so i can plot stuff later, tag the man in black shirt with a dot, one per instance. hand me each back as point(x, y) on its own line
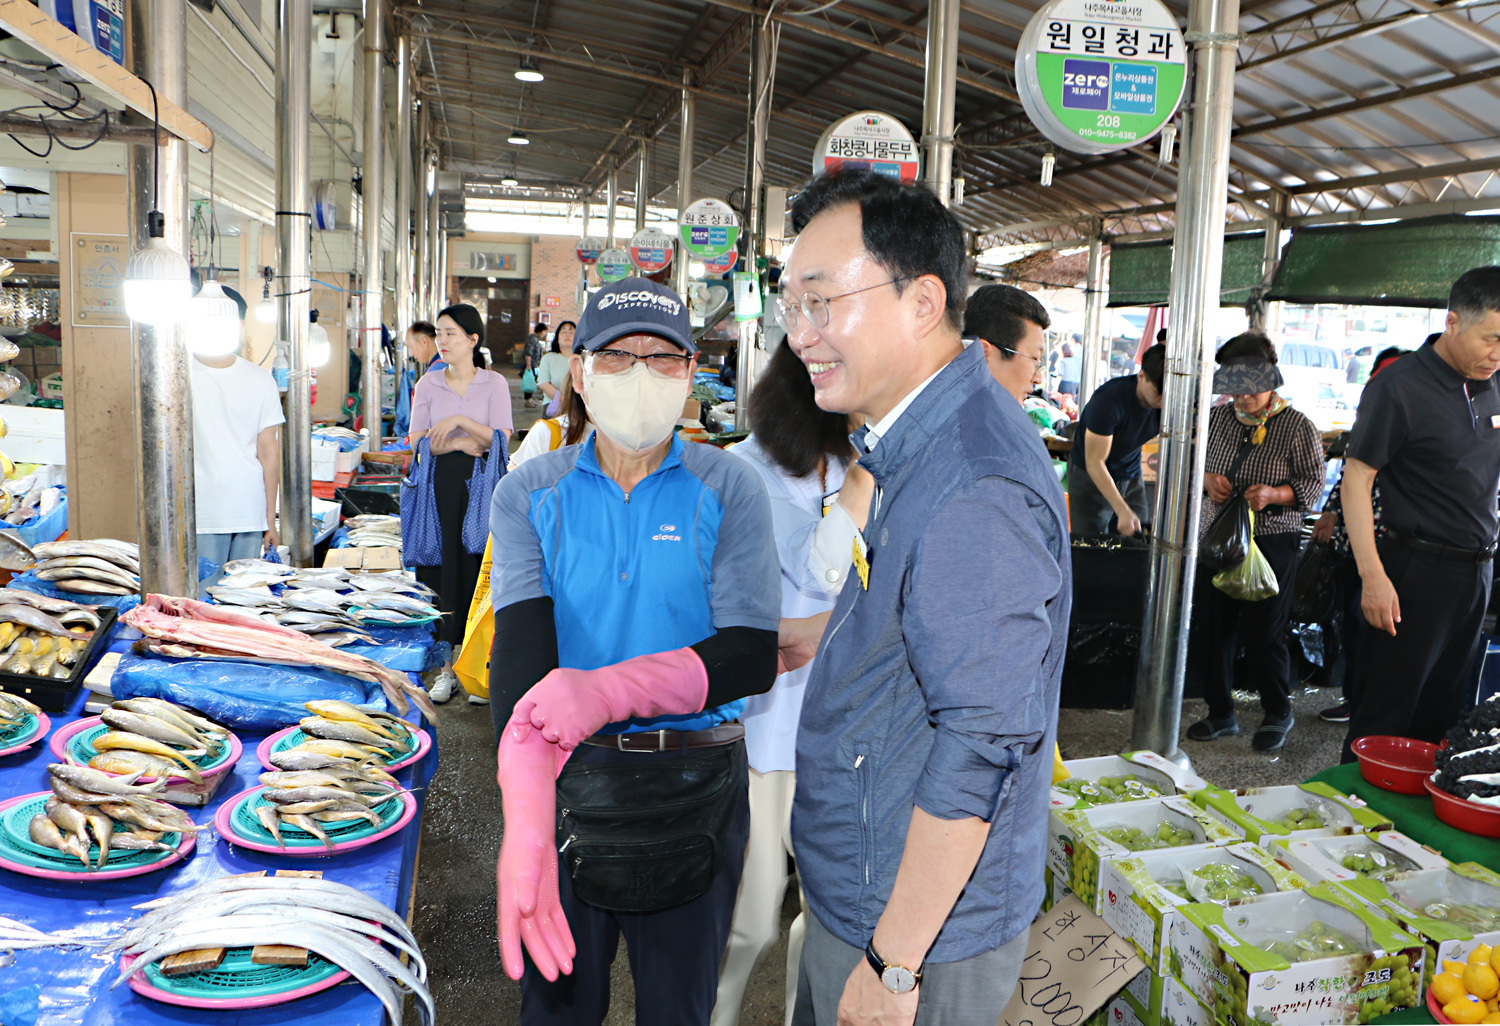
point(1430, 427)
point(1104, 467)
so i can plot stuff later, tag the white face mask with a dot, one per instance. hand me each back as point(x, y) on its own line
point(636, 409)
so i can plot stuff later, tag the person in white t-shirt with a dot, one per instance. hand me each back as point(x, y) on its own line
point(236, 458)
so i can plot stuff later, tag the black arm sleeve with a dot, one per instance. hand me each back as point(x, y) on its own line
point(741, 662)
point(525, 651)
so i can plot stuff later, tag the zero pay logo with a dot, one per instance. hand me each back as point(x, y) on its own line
point(667, 532)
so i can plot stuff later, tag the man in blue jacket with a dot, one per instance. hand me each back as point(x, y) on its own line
point(925, 751)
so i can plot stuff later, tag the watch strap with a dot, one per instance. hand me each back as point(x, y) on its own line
point(880, 965)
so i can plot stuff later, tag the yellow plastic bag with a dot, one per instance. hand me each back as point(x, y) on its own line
point(472, 667)
point(1251, 581)
point(1059, 771)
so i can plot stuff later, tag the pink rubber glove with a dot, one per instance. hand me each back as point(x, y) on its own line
point(528, 909)
point(569, 705)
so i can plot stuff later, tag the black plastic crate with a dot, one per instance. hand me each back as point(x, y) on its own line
point(356, 501)
point(57, 695)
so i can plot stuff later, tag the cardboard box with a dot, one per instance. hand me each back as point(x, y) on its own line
point(1053, 889)
point(384, 558)
point(1256, 813)
point(1235, 954)
point(50, 387)
point(1077, 842)
point(1149, 769)
point(1423, 903)
point(1155, 1000)
point(1321, 859)
point(1138, 906)
point(349, 559)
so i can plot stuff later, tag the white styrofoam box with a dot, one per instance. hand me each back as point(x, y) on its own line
point(34, 435)
point(324, 462)
point(348, 462)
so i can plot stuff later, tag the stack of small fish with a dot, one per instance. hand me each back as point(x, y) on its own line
point(120, 815)
point(41, 636)
point(333, 920)
point(332, 783)
point(26, 498)
point(329, 601)
point(373, 531)
point(100, 567)
point(156, 738)
point(17, 936)
point(13, 711)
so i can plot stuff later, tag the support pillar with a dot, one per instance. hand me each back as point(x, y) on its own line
point(403, 199)
point(685, 129)
point(1093, 319)
point(436, 286)
point(163, 409)
point(374, 207)
point(293, 261)
point(418, 160)
point(937, 104)
point(1197, 263)
point(642, 182)
point(758, 117)
point(612, 197)
point(1264, 316)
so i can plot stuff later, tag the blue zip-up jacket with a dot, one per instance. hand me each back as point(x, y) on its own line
point(938, 686)
point(688, 553)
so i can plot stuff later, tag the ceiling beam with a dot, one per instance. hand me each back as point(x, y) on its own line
point(1406, 174)
point(1365, 103)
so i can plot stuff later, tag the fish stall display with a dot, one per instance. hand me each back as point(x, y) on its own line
point(329, 601)
point(156, 738)
point(91, 814)
point(103, 566)
point(24, 499)
point(182, 628)
point(374, 530)
point(334, 922)
point(43, 637)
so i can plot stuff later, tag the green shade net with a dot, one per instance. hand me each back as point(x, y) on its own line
point(1405, 263)
point(1140, 274)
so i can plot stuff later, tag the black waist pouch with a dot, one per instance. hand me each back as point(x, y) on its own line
point(648, 832)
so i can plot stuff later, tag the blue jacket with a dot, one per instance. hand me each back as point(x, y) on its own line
point(937, 686)
point(687, 553)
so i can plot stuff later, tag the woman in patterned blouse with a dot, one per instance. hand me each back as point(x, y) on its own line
point(1261, 448)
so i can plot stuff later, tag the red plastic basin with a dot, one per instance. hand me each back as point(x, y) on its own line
point(1472, 817)
point(1398, 764)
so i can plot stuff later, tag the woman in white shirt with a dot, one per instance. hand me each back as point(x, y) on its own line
point(569, 427)
point(819, 501)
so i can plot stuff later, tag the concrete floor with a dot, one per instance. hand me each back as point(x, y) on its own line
point(454, 915)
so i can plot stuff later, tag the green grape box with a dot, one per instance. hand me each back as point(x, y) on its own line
point(1296, 958)
point(1267, 814)
point(1110, 779)
point(1453, 910)
point(1080, 840)
point(1142, 895)
point(1054, 889)
point(1379, 856)
point(1155, 1000)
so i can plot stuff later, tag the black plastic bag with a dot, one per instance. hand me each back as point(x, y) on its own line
point(1226, 544)
point(1315, 595)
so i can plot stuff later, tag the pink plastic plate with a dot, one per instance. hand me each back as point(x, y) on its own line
point(60, 741)
point(224, 823)
point(184, 848)
point(143, 987)
point(43, 724)
point(424, 745)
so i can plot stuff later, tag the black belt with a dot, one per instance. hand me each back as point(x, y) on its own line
point(669, 740)
point(1441, 551)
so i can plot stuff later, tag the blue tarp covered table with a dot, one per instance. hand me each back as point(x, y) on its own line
point(75, 983)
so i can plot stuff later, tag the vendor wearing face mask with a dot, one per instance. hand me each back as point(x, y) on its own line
point(637, 598)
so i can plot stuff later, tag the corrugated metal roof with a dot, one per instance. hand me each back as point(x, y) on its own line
point(1344, 108)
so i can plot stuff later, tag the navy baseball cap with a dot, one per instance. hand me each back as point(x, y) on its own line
point(633, 306)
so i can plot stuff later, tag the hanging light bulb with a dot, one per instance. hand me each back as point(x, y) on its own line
point(529, 72)
point(509, 182)
point(213, 321)
point(265, 310)
point(158, 281)
point(518, 138)
point(1049, 161)
point(318, 347)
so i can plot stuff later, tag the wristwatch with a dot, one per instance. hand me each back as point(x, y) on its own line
point(897, 978)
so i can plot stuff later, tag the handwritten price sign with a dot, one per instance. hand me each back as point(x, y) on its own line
point(1074, 963)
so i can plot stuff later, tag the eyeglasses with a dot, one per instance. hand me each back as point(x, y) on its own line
point(618, 361)
point(1036, 361)
point(815, 307)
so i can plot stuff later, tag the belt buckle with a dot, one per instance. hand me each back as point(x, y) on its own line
point(661, 740)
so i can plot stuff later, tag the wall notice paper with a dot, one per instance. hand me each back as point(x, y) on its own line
point(99, 281)
point(1074, 964)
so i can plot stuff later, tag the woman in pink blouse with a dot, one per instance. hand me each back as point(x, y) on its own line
point(458, 411)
